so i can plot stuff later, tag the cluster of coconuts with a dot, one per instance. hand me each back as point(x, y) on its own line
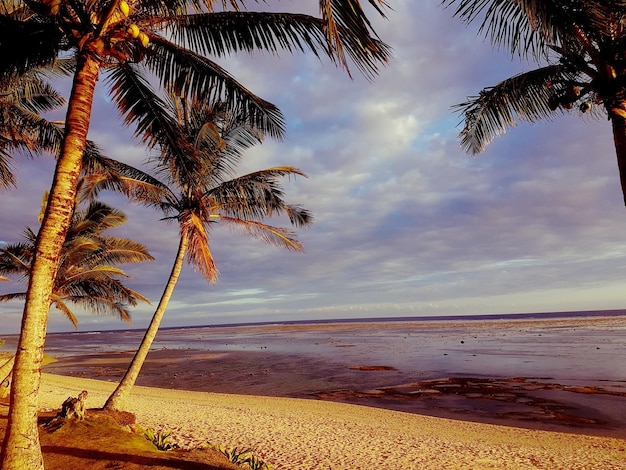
point(124, 9)
point(568, 99)
point(133, 30)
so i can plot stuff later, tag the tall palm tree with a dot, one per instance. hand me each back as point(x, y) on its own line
point(580, 48)
point(198, 165)
point(170, 39)
point(88, 275)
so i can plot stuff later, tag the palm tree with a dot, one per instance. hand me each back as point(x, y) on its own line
point(88, 275)
point(580, 48)
point(124, 41)
point(198, 163)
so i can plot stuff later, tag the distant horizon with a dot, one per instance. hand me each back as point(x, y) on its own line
point(431, 318)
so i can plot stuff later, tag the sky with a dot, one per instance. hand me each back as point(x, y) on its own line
point(406, 223)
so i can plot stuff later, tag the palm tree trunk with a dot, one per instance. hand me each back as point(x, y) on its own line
point(21, 448)
point(119, 398)
point(619, 137)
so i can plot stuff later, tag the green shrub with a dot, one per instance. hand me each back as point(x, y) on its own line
point(242, 457)
point(160, 439)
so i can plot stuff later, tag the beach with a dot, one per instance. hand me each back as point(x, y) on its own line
point(558, 375)
point(523, 394)
point(298, 434)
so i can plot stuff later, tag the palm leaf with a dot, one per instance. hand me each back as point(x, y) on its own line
point(221, 34)
point(103, 173)
point(64, 308)
point(345, 24)
point(13, 296)
point(528, 97)
point(16, 258)
point(277, 236)
point(198, 76)
point(27, 43)
point(255, 195)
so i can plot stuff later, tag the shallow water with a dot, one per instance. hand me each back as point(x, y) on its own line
point(565, 350)
point(566, 375)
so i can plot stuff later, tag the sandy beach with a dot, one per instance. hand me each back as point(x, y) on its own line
point(300, 434)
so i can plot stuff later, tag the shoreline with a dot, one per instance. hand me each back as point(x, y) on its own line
point(558, 375)
point(300, 434)
point(592, 408)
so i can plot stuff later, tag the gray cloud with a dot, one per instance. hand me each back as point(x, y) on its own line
point(406, 223)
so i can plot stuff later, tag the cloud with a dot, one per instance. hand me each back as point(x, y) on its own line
point(405, 222)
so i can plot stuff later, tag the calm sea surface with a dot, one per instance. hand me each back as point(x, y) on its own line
point(563, 373)
point(568, 349)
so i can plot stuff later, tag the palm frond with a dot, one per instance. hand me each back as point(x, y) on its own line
point(64, 309)
point(102, 306)
point(347, 27)
point(97, 272)
point(7, 177)
point(13, 296)
point(27, 43)
point(103, 173)
point(298, 216)
point(527, 97)
point(220, 34)
point(253, 196)
point(122, 250)
point(16, 258)
point(196, 75)
point(277, 236)
point(522, 26)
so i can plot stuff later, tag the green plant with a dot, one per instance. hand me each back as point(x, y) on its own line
point(242, 457)
point(256, 463)
point(160, 439)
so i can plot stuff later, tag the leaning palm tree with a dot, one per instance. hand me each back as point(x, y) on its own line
point(580, 47)
point(198, 165)
point(126, 41)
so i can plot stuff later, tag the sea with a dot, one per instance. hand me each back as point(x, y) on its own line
point(556, 371)
point(532, 344)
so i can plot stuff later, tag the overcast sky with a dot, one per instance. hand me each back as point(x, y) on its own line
point(406, 224)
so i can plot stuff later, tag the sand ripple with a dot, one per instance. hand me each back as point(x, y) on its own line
point(296, 434)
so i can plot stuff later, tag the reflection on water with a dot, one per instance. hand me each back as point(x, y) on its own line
point(562, 349)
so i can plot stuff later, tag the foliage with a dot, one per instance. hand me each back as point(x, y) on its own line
point(242, 457)
point(88, 274)
point(160, 439)
point(580, 48)
point(199, 153)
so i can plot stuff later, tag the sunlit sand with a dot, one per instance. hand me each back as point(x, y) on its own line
point(297, 434)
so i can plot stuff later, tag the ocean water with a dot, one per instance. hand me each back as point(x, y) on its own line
point(564, 373)
point(568, 349)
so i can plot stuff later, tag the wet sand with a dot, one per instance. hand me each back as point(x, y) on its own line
point(336, 365)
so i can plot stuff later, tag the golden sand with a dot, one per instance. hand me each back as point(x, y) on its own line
point(298, 434)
